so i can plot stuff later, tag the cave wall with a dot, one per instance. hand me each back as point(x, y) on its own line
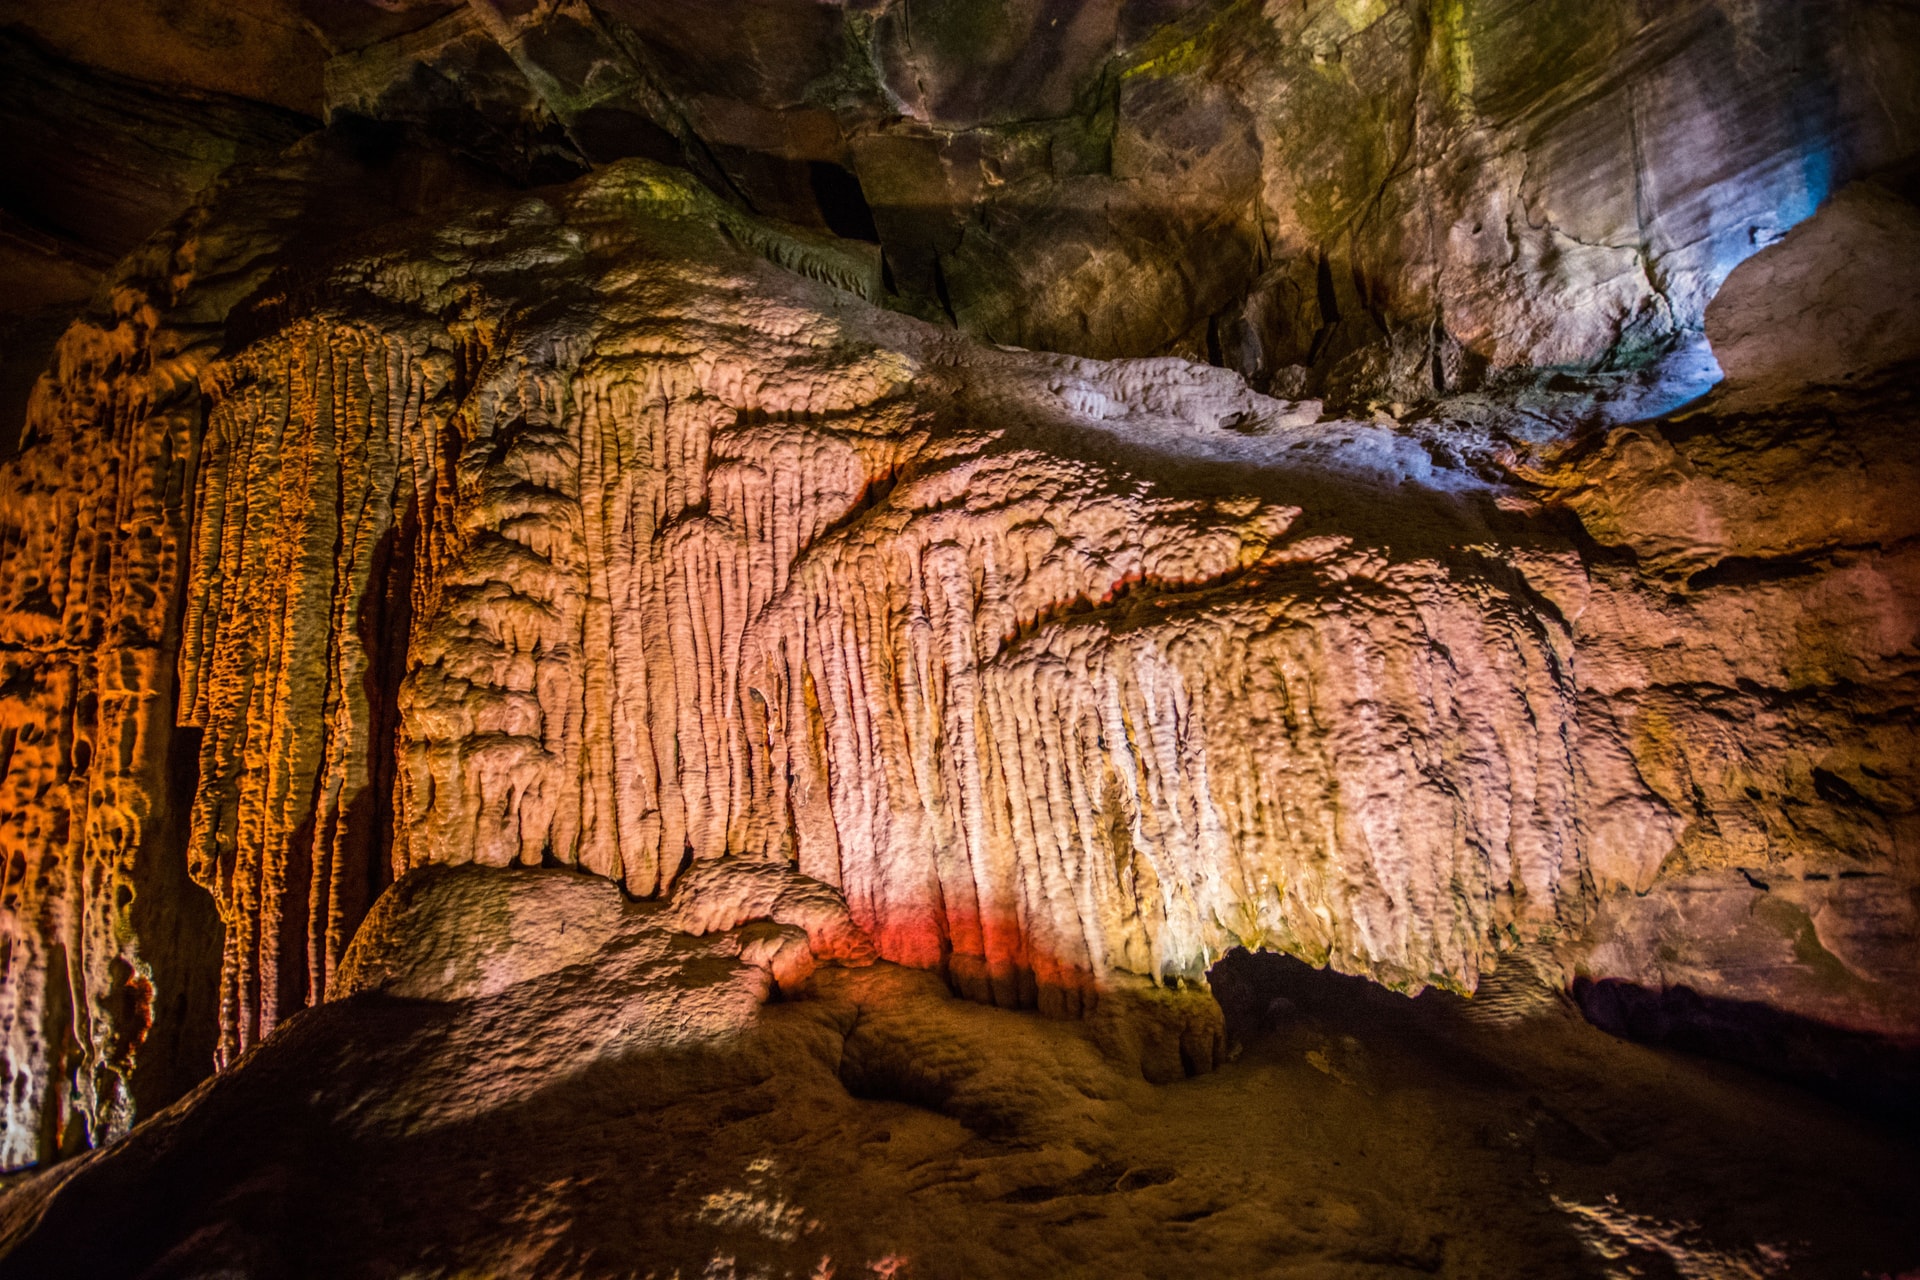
point(97, 510)
point(1380, 200)
point(107, 938)
point(1373, 200)
point(378, 513)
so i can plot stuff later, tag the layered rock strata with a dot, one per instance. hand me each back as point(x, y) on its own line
point(1392, 199)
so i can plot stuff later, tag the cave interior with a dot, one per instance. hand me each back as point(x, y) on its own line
point(763, 639)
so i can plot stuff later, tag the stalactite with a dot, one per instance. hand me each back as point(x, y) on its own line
point(309, 476)
point(90, 550)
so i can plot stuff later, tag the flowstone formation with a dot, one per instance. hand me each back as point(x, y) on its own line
point(1053, 669)
point(506, 594)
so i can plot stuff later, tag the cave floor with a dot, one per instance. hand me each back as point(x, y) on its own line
point(1355, 1133)
point(1365, 1134)
point(1358, 1133)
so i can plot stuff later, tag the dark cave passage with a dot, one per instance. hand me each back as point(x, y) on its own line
point(1874, 1077)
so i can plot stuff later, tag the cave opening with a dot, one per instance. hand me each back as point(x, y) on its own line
point(842, 202)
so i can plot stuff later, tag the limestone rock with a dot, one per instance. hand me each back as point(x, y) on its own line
point(721, 894)
point(114, 159)
point(96, 514)
point(440, 934)
point(989, 642)
point(1833, 300)
point(1389, 201)
point(1748, 665)
point(98, 163)
point(263, 50)
point(467, 933)
point(1835, 951)
point(112, 951)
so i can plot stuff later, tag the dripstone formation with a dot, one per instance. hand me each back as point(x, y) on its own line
point(791, 521)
